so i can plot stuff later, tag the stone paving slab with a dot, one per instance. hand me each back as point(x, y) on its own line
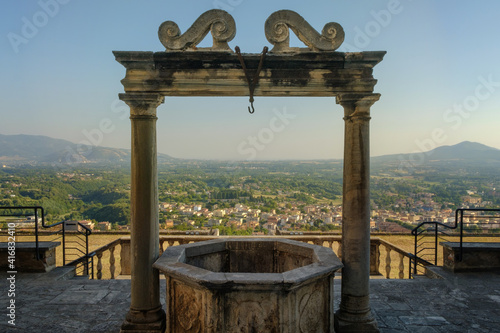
point(465, 302)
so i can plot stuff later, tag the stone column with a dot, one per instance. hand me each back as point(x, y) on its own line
point(146, 313)
point(354, 314)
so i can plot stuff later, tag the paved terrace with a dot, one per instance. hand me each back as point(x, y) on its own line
point(465, 302)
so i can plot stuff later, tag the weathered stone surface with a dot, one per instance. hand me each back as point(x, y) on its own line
point(218, 22)
point(279, 294)
point(277, 33)
point(125, 258)
point(355, 314)
point(145, 312)
point(475, 257)
point(311, 74)
point(466, 301)
point(26, 257)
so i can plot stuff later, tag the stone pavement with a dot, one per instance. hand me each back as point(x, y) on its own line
point(466, 302)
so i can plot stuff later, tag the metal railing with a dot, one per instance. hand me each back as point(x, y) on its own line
point(75, 243)
point(428, 236)
point(474, 227)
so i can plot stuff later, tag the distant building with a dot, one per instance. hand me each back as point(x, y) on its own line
point(220, 213)
point(214, 222)
point(76, 225)
point(104, 226)
point(472, 199)
point(169, 224)
point(252, 223)
point(87, 223)
point(71, 225)
point(236, 222)
point(272, 219)
point(271, 228)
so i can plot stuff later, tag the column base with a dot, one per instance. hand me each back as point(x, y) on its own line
point(355, 323)
point(152, 321)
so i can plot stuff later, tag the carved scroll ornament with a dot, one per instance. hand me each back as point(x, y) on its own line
point(277, 33)
point(218, 22)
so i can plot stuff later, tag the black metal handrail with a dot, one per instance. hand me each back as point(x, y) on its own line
point(35, 211)
point(459, 216)
point(460, 212)
point(86, 232)
point(419, 230)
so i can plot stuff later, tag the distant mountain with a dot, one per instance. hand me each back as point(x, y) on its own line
point(464, 151)
point(21, 149)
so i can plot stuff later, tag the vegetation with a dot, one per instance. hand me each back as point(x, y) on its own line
point(103, 193)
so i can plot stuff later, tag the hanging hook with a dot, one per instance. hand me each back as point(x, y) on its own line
point(251, 82)
point(251, 110)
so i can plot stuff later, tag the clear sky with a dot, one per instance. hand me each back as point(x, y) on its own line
point(440, 79)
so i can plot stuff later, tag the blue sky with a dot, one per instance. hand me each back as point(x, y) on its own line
point(440, 80)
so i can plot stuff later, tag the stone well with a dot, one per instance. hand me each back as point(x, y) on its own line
point(249, 285)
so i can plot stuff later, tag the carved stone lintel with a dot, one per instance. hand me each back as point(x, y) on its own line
point(219, 22)
point(277, 33)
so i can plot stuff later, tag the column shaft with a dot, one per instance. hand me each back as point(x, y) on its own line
point(354, 314)
point(145, 312)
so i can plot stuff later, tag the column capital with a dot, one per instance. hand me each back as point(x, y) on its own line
point(357, 105)
point(142, 105)
point(366, 100)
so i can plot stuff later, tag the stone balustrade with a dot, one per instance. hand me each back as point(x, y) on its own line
point(108, 251)
point(386, 259)
point(394, 259)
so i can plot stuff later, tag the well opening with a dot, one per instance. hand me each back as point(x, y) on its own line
point(250, 257)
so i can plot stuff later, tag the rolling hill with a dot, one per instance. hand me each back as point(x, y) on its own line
point(36, 149)
point(464, 151)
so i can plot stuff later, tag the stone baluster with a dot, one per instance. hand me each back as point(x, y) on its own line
point(388, 263)
point(99, 266)
point(171, 243)
point(339, 251)
point(401, 266)
point(374, 258)
point(161, 246)
point(330, 244)
point(125, 258)
point(112, 262)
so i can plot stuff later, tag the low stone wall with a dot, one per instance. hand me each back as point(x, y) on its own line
point(474, 257)
point(26, 258)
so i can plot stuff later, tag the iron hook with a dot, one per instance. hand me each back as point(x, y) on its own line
point(251, 82)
